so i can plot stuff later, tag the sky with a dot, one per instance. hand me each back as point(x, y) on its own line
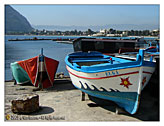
point(85, 15)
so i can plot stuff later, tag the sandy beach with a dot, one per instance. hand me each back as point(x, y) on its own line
point(63, 102)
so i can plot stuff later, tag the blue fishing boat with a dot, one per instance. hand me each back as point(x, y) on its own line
point(112, 78)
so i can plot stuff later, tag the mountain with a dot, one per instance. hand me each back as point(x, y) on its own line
point(15, 22)
point(98, 27)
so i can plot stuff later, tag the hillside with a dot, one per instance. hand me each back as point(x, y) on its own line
point(15, 22)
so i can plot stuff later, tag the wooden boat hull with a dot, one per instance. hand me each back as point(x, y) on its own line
point(19, 74)
point(122, 85)
point(39, 69)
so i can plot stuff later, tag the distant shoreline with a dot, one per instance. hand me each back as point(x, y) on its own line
point(50, 35)
point(144, 36)
point(79, 36)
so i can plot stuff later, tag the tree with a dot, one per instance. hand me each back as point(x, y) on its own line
point(111, 30)
point(146, 32)
point(119, 32)
point(75, 32)
point(90, 32)
point(132, 32)
point(136, 33)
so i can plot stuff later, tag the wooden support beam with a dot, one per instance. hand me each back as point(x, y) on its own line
point(83, 96)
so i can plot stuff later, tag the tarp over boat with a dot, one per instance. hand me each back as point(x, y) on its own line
point(38, 71)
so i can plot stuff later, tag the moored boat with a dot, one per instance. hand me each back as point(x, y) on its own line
point(105, 45)
point(39, 70)
point(111, 78)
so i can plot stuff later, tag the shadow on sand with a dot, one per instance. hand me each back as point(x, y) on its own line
point(61, 85)
point(148, 108)
point(58, 85)
point(42, 111)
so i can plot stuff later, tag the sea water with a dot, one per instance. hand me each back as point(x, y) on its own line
point(21, 50)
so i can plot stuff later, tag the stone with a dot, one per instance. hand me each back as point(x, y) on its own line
point(120, 111)
point(26, 103)
point(60, 75)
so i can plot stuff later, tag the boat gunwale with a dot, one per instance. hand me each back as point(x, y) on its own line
point(107, 66)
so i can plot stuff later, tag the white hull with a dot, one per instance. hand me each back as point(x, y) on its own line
point(113, 79)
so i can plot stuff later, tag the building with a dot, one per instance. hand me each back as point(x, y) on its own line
point(155, 32)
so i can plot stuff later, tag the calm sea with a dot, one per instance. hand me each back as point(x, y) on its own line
point(20, 50)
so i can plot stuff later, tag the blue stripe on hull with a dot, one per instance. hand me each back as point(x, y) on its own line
point(126, 100)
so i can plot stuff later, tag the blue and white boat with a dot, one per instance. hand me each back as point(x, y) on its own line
point(106, 77)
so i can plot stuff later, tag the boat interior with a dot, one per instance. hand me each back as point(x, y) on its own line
point(94, 61)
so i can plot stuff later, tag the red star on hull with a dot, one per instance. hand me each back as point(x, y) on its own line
point(143, 81)
point(125, 82)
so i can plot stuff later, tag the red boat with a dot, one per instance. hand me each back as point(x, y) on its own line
point(39, 70)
